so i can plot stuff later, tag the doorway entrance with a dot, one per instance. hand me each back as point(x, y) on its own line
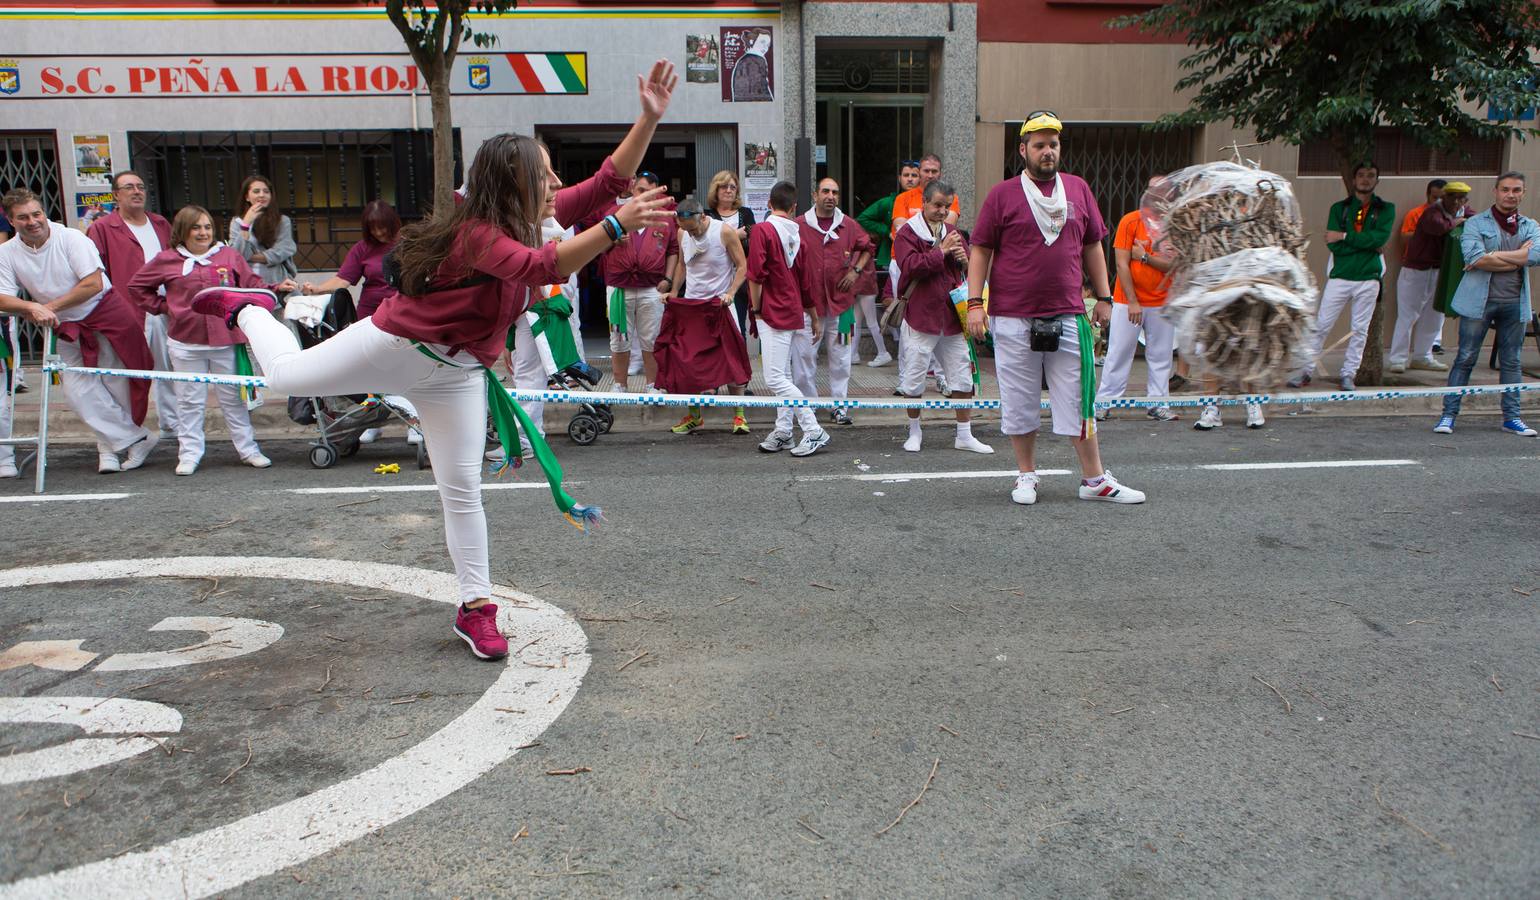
point(870, 114)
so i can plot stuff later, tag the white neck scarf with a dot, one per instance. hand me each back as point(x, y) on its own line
point(811, 218)
point(790, 235)
point(919, 226)
point(189, 260)
point(1052, 212)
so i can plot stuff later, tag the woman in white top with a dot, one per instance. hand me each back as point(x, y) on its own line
point(263, 234)
point(724, 202)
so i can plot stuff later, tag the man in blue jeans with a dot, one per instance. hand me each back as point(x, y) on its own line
point(1499, 246)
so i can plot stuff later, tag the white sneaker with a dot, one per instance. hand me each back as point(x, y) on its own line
point(1396, 368)
point(1102, 414)
point(941, 385)
point(413, 436)
point(1209, 420)
point(186, 466)
point(651, 389)
point(636, 367)
point(1110, 490)
point(369, 436)
point(107, 463)
point(880, 360)
point(140, 452)
point(1025, 491)
point(1254, 417)
point(8, 470)
point(912, 442)
point(971, 444)
point(811, 443)
point(776, 442)
point(1431, 364)
point(257, 461)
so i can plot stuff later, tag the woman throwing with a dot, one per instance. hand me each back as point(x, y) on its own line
point(465, 274)
point(197, 342)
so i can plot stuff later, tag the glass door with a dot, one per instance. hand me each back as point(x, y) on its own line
point(864, 141)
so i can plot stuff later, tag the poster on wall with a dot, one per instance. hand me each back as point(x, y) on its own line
point(93, 160)
point(759, 176)
point(92, 205)
point(748, 65)
point(701, 57)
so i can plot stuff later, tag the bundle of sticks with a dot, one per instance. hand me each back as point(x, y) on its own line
point(1241, 299)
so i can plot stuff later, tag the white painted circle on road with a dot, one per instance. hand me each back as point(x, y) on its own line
point(466, 748)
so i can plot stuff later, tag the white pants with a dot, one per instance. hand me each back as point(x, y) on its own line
point(644, 318)
point(803, 361)
point(451, 403)
point(1023, 372)
point(193, 400)
point(102, 403)
point(1418, 324)
point(531, 369)
point(7, 453)
point(168, 407)
point(1358, 298)
point(919, 351)
point(840, 354)
point(869, 318)
point(776, 349)
point(1159, 338)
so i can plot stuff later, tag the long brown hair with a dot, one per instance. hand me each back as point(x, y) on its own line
point(505, 188)
point(721, 178)
point(265, 229)
point(379, 214)
point(182, 224)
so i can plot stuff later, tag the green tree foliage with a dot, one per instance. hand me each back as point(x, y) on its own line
point(434, 33)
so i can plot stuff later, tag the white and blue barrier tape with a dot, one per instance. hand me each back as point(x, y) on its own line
point(617, 398)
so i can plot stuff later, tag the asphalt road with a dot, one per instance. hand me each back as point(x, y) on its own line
point(1283, 682)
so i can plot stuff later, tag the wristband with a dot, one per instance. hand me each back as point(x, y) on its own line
point(244, 226)
point(669, 280)
point(1103, 299)
point(612, 228)
point(975, 303)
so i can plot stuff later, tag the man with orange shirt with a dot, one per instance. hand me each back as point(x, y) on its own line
point(1137, 301)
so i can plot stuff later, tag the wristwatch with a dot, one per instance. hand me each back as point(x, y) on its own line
point(1103, 299)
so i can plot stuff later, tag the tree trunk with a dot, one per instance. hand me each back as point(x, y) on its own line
point(1372, 369)
point(443, 140)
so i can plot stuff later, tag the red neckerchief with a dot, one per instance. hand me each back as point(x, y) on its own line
point(1507, 223)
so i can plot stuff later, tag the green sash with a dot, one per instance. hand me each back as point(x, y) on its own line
point(618, 310)
point(553, 316)
point(846, 328)
point(1087, 376)
point(1451, 270)
point(249, 394)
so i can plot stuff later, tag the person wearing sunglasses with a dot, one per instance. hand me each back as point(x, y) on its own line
point(1037, 237)
point(877, 219)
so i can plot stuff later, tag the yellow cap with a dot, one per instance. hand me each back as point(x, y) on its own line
point(1457, 187)
point(1043, 121)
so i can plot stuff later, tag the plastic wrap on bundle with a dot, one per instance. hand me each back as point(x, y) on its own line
point(1211, 210)
point(1245, 318)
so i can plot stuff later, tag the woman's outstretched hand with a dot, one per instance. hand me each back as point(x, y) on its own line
point(658, 89)
point(644, 210)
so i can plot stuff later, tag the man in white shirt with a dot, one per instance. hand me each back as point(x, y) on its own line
point(62, 272)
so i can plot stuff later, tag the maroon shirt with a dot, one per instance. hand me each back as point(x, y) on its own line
point(933, 275)
point(226, 267)
point(1425, 248)
point(786, 292)
point(476, 318)
point(640, 259)
point(1028, 278)
point(122, 254)
point(835, 257)
point(364, 261)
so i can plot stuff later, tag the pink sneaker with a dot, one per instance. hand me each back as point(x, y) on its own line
point(227, 302)
point(478, 627)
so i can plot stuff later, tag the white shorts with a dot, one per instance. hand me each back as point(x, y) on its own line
point(1022, 372)
point(914, 353)
point(644, 318)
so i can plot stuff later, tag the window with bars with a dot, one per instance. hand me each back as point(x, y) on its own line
point(30, 159)
point(1398, 153)
point(1115, 160)
point(322, 179)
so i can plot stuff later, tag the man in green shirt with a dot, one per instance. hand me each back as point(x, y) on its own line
point(877, 219)
point(1357, 229)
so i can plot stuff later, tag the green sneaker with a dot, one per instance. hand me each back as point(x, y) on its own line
point(688, 424)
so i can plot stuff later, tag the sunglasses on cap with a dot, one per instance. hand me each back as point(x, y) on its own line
point(1042, 118)
point(909, 164)
point(650, 176)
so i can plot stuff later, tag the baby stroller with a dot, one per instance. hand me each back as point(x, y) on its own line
point(591, 419)
point(340, 420)
point(564, 368)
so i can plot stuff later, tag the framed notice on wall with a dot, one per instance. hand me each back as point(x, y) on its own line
point(748, 64)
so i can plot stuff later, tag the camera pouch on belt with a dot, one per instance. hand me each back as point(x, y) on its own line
point(1045, 334)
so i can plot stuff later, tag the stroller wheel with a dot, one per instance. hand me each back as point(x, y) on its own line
point(606, 418)
point(583, 429)
point(422, 455)
point(323, 456)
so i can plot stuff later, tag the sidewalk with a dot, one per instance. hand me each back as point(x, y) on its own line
point(272, 422)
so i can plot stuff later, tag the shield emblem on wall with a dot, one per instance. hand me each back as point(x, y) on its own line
point(10, 80)
point(480, 76)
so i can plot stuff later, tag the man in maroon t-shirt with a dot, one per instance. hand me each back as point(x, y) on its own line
point(640, 266)
point(1418, 323)
point(1036, 238)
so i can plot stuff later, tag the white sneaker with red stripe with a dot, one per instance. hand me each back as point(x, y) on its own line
point(1109, 489)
